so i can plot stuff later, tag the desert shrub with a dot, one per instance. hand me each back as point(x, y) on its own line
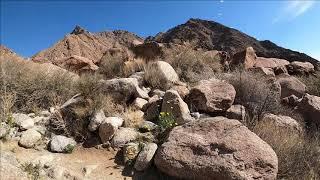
point(192, 65)
point(132, 118)
point(255, 92)
point(312, 83)
point(69, 148)
point(155, 78)
point(133, 66)
point(298, 155)
point(116, 66)
point(166, 121)
point(33, 88)
point(32, 170)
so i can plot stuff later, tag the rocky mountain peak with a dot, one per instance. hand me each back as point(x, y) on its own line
point(78, 30)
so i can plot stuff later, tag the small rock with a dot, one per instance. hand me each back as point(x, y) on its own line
point(4, 130)
point(145, 157)
point(29, 138)
point(95, 121)
point(124, 136)
point(23, 121)
point(107, 131)
point(147, 126)
point(195, 115)
point(44, 160)
point(157, 92)
point(310, 107)
point(130, 152)
point(138, 103)
point(32, 115)
point(45, 113)
point(236, 112)
point(62, 144)
point(152, 108)
point(88, 169)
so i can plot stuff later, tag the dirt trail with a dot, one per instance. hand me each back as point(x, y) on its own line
point(106, 165)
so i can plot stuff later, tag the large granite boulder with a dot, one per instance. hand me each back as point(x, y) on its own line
point(216, 148)
point(310, 107)
point(291, 86)
point(211, 96)
point(161, 74)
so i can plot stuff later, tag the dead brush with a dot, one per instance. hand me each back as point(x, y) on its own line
point(255, 92)
point(298, 154)
point(192, 65)
point(33, 87)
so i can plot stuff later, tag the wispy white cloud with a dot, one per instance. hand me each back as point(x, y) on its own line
point(293, 9)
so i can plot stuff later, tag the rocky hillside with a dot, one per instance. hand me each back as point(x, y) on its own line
point(6, 53)
point(83, 43)
point(211, 35)
point(166, 111)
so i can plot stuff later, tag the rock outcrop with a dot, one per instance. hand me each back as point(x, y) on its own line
point(210, 35)
point(88, 45)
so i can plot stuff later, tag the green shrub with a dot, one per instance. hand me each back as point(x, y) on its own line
point(166, 121)
point(69, 148)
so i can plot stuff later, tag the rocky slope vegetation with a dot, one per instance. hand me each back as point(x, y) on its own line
point(86, 47)
point(211, 35)
point(170, 112)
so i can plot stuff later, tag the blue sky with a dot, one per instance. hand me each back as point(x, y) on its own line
point(30, 26)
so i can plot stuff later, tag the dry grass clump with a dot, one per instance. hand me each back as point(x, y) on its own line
point(312, 83)
point(116, 66)
point(132, 118)
point(33, 88)
point(255, 92)
point(192, 65)
point(298, 155)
